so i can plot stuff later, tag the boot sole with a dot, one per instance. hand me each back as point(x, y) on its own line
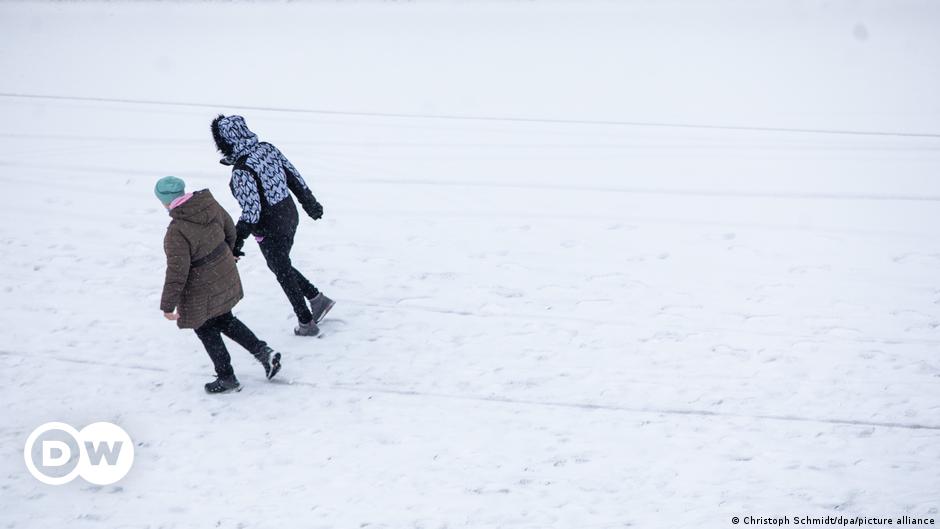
point(275, 365)
point(236, 389)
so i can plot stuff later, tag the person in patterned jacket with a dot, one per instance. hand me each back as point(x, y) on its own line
point(262, 182)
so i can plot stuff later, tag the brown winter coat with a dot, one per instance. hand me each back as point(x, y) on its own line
point(199, 227)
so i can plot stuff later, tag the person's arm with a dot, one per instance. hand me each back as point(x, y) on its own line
point(178, 259)
point(246, 193)
point(297, 186)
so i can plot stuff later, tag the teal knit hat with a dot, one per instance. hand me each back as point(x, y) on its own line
point(169, 188)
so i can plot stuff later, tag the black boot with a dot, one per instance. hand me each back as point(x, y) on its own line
point(223, 385)
point(271, 361)
point(319, 306)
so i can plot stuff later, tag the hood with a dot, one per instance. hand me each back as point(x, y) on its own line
point(198, 209)
point(232, 137)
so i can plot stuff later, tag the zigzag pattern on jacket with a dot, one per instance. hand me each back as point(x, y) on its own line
point(235, 140)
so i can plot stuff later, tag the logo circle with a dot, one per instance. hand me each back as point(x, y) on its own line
point(28, 453)
point(112, 456)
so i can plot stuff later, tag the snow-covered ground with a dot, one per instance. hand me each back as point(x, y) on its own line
point(539, 324)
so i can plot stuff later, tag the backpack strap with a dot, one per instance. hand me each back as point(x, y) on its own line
point(242, 163)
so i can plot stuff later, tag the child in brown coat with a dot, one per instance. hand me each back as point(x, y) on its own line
point(202, 283)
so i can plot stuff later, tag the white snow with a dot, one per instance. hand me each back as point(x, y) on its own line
point(537, 324)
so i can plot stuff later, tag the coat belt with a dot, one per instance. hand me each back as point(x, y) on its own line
point(219, 250)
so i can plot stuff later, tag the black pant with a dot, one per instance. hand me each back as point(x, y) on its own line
point(276, 251)
point(210, 333)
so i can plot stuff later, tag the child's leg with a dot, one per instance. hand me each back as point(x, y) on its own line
point(276, 252)
point(232, 327)
point(305, 285)
point(308, 289)
point(211, 338)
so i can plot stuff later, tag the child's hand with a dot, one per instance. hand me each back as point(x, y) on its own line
point(172, 316)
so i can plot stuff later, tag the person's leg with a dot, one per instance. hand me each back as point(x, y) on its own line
point(276, 251)
point(319, 303)
point(233, 328)
point(211, 337)
point(238, 332)
point(309, 290)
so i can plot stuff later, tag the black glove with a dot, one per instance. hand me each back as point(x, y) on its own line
point(237, 250)
point(314, 209)
point(242, 231)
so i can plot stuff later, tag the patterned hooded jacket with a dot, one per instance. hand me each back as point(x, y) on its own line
point(262, 180)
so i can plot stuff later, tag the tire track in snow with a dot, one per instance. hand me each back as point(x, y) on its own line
point(701, 193)
point(434, 145)
point(496, 399)
point(472, 215)
point(784, 195)
point(619, 323)
point(468, 117)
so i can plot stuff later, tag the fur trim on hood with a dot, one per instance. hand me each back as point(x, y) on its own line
point(232, 137)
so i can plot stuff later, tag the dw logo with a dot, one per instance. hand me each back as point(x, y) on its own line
point(101, 453)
